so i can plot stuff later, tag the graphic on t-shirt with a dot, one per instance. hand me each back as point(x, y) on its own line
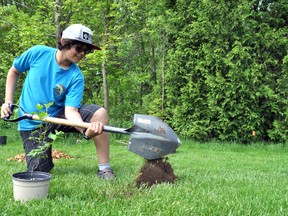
point(59, 89)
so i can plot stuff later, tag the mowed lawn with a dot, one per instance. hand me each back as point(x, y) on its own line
point(213, 179)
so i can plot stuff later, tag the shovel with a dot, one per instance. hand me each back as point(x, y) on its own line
point(151, 138)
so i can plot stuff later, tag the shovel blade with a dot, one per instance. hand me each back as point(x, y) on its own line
point(152, 138)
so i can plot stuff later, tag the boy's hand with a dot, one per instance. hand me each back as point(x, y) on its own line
point(5, 110)
point(95, 129)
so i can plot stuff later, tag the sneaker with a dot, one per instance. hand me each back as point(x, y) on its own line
point(106, 174)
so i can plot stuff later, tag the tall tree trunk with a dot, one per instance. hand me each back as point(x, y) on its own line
point(153, 65)
point(105, 85)
point(104, 72)
point(57, 20)
point(163, 72)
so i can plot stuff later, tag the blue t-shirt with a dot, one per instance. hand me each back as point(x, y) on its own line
point(47, 82)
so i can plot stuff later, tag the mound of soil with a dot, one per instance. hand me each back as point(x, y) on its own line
point(56, 155)
point(155, 172)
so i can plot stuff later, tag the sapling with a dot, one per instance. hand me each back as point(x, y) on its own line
point(37, 153)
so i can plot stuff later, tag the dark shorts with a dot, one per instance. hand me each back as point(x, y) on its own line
point(35, 138)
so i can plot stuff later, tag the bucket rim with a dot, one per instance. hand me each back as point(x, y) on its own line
point(36, 176)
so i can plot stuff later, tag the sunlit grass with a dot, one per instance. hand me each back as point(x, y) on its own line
point(213, 179)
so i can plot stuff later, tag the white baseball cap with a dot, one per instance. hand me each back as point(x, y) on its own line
point(80, 33)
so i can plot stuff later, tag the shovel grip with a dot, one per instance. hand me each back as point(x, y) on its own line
point(107, 128)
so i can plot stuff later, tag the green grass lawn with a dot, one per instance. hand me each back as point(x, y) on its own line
point(213, 179)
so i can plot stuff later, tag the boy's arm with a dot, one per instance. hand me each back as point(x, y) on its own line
point(11, 82)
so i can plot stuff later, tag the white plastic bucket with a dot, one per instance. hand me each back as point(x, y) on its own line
point(30, 185)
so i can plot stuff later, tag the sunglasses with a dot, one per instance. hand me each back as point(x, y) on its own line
point(80, 48)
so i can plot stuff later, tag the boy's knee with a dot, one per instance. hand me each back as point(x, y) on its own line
point(100, 115)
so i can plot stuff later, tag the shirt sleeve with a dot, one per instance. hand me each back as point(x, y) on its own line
point(23, 62)
point(75, 93)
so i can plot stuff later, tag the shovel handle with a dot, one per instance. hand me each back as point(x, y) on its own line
point(66, 122)
point(61, 121)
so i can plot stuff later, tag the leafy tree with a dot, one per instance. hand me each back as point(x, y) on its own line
point(225, 70)
point(211, 69)
point(17, 36)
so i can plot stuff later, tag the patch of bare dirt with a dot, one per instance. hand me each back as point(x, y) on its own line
point(155, 172)
point(56, 155)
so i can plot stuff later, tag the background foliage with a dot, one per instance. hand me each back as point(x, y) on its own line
point(211, 69)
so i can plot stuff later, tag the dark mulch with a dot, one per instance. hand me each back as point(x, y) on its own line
point(155, 172)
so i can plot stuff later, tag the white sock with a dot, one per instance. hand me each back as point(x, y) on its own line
point(104, 166)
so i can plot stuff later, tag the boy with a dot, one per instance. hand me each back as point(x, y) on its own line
point(53, 76)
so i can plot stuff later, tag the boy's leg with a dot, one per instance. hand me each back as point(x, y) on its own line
point(93, 113)
point(32, 140)
point(102, 144)
point(102, 141)
point(89, 113)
